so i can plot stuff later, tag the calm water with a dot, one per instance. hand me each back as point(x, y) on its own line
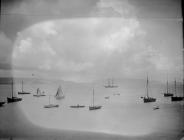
point(125, 114)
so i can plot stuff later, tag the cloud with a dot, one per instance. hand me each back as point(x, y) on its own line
point(88, 48)
point(91, 48)
point(6, 48)
point(109, 8)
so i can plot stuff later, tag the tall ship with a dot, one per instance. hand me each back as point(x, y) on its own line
point(59, 94)
point(23, 92)
point(110, 84)
point(167, 93)
point(93, 106)
point(147, 98)
point(175, 97)
point(13, 98)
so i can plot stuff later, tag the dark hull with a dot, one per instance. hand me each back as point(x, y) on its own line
point(51, 106)
point(24, 93)
point(13, 99)
point(149, 99)
point(39, 95)
point(2, 103)
point(77, 106)
point(110, 86)
point(175, 98)
point(94, 107)
point(168, 94)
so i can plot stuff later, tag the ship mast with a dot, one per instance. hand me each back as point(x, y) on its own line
point(22, 85)
point(175, 87)
point(12, 87)
point(147, 86)
point(167, 84)
point(93, 97)
point(182, 5)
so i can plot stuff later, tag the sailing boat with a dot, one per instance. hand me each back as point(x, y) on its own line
point(176, 98)
point(94, 107)
point(23, 92)
point(148, 99)
point(51, 105)
point(13, 98)
point(167, 94)
point(38, 93)
point(59, 94)
point(110, 84)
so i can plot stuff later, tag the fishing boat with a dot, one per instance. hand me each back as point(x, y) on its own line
point(176, 98)
point(23, 92)
point(94, 107)
point(147, 98)
point(51, 105)
point(110, 84)
point(39, 93)
point(13, 98)
point(77, 106)
point(59, 94)
point(167, 94)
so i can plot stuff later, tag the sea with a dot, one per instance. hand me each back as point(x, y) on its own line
point(123, 113)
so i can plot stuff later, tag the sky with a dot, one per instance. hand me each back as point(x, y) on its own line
point(87, 40)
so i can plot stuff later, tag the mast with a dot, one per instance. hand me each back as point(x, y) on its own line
point(22, 85)
point(109, 82)
point(175, 86)
point(147, 87)
point(167, 84)
point(112, 82)
point(182, 5)
point(93, 96)
point(12, 87)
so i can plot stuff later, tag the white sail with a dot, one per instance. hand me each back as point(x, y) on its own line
point(59, 93)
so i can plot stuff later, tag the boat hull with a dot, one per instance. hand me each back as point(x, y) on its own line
point(176, 98)
point(2, 103)
point(94, 107)
point(77, 106)
point(59, 97)
point(110, 86)
point(24, 93)
point(13, 99)
point(51, 106)
point(37, 95)
point(149, 99)
point(168, 94)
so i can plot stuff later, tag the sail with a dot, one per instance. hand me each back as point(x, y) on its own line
point(59, 92)
point(38, 91)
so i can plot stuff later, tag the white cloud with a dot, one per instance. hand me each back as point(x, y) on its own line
point(6, 48)
point(91, 48)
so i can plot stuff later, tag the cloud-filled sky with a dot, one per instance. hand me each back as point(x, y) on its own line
point(95, 40)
